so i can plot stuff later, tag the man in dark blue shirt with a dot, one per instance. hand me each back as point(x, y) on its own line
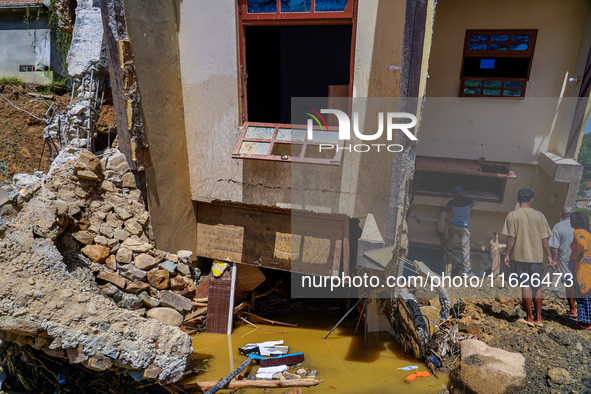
point(460, 225)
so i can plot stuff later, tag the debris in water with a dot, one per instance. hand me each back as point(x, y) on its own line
point(268, 372)
point(270, 348)
point(288, 359)
point(418, 374)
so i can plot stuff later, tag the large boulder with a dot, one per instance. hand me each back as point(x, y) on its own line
point(485, 369)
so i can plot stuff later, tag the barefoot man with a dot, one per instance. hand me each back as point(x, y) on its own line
point(527, 234)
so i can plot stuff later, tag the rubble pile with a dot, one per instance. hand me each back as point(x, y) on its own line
point(74, 236)
point(87, 68)
point(113, 232)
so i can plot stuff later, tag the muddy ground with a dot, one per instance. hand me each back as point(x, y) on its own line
point(556, 345)
point(21, 135)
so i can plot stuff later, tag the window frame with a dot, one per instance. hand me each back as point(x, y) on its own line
point(278, 18)
point(461, 167)
point(336, 160)
point(281, 17)
point(529, 54)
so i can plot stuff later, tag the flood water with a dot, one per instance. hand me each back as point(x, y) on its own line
point(340, 360)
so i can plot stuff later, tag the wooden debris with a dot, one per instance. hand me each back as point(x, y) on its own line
point(246, 383)
point(253, 316)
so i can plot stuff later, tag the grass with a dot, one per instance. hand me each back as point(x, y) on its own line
point(9, 146)
point(11, 80)
point(58, 87)
point(13, 127)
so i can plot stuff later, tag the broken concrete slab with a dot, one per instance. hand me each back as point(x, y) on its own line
point(63, 308)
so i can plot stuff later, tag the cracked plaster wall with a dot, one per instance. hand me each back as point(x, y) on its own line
point(24, 44)
point(208, 44)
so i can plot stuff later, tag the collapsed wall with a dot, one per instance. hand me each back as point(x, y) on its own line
point(75, 268)
point(87, 68)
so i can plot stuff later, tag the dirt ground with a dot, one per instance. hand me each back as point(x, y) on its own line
point(555, 345)
point(21, 135)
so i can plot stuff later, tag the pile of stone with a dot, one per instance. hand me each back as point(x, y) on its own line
point(78, 270)
point(114, 233)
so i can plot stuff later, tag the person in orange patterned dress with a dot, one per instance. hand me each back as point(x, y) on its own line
point(580, 264)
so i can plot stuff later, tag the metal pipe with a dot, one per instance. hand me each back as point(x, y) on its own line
point(231, 376)
point(343, 318)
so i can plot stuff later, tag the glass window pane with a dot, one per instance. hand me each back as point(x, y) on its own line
point(331, 137)
point(472, 91)
point(261, 6)
point(520, 37)
point(510, 84)
point(259, 133)
point(330, 5)
point(477, 47)
point(296, 5)
point(291, 135)
point(513, 93)
point(479, 37)
point(255, 148)
point(493, 84)
point(498, 47)
point(502, 37)
point(473, 84)
point(289, 150)
point(487, 63)
point(491, 92)
point(519, 47)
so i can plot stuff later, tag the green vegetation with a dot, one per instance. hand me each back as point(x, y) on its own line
point(10, 147)
point(58, 86)
point(13, 127)
point(584, 159)
point(63, 39)
point(10, 80)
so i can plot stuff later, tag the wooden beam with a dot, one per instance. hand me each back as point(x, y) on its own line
point(246, 383)
point(116, 77)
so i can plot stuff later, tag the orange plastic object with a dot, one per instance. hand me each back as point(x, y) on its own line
point(418, 374)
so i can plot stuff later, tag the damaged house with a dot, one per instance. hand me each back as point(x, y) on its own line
point(506, 105)
point(29, 49)
point(224, 154)
point(249, 129)
point(232, 176)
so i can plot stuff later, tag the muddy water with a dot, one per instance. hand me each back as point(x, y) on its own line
point(341, 360)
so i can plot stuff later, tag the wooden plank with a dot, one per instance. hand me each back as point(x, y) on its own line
point(116, 78)
point(307, 243)
point(287, 246)
point(220, 242)
point(203, 288)
point(248, 278)
point(218, 307)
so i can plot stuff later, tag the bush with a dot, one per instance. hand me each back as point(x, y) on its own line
point(59, 87)
point(10, 81)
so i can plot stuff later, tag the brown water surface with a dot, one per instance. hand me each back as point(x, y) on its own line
point(340, 360)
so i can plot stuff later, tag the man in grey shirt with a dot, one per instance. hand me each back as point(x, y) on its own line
point(562, 237)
